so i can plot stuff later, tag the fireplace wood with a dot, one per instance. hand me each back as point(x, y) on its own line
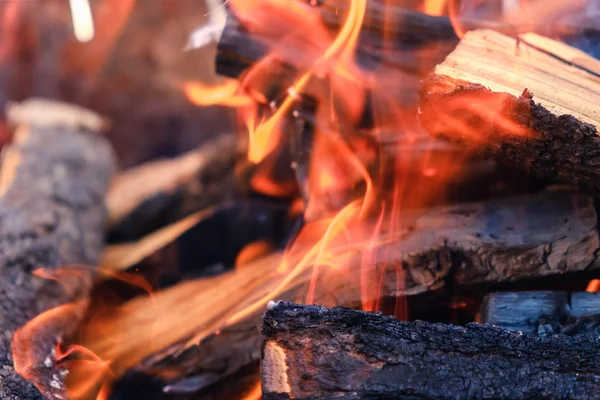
point(543, 313)
point(152, 195)
point(53, 179)
point(542, 118)
point(466, 245)
point(315, 352)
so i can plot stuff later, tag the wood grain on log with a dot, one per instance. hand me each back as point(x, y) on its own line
point(52, 183)
point(315, 352)
point(504, 240)
point(528, 104)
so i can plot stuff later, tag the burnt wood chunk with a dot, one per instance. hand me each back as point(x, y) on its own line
point(531, 103)
point(505, 240)
point(543, 312)
point(314, 352)
point(53, 179)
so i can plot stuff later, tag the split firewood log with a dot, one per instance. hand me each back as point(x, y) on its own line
point(315, 352)
point(53, 178)
point(504, 240)
point(150, 196)
point(530, 103)
point(542, 312)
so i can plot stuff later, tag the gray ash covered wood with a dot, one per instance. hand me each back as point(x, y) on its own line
point(53, 179)
point(313, 352)
point(543, 312)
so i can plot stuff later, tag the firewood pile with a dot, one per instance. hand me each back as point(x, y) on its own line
point(408, 209)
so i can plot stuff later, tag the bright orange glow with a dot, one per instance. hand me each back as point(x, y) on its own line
point(434, 7)
point(223, 94)
point(255, 393)
point(593, 286)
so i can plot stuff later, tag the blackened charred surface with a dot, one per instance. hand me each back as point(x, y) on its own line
point(52, 213)
point(139, 385)
point(194, 369)
point(455, 247)
point(559, 148)
point(357, 355)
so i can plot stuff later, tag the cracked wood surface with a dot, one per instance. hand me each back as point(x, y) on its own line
point(312, 352)
point(503, 240)
point(53, 179)
point(529, 104)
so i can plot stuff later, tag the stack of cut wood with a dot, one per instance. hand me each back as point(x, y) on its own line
point(531, 103)
point(523, 101)
point(548, 238)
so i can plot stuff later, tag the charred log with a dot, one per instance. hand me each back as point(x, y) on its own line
point(315, 352)
point(462, 245)
point(54, 176)
point(542, 117)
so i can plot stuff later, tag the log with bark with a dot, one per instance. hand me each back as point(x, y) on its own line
point(315, 352)
point(530, 103)
point(53, 178)
point(150, 196)
point(542, 312)
point(466, 245)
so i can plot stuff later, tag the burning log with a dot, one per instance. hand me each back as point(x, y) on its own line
point(53, 179)
point(541, 117)
point(391, 36)
point(464, 245)
point(315, 352)
point(543, 313)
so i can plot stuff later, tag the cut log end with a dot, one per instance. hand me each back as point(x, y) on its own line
point(517, 102)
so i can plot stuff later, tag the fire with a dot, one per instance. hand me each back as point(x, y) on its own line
point(434, 7)
point(223, 94)
point(355, 191)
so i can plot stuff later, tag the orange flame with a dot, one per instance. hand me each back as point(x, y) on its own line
point(359, 181)
point(223, 94)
